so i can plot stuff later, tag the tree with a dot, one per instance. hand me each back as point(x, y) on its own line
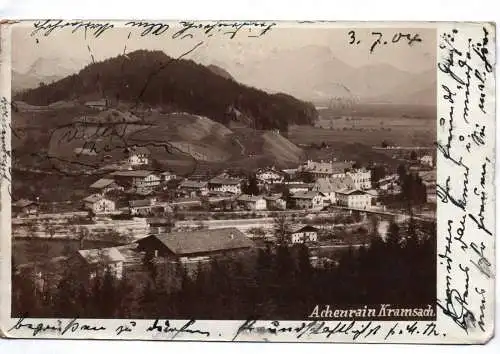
point(413, 155)
point(251, 187)
point(306, 177)
point(281, 230)
point(83, 234)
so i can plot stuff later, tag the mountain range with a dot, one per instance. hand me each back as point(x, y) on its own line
point(314, 73)
point(44, 70)
point(154, 79)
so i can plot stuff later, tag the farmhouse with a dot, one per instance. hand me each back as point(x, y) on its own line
point(304, 234)
point(251, 202)
point(136, 178)
point(99, 105)
point(329, 186)
point(138, 155)
point(354, 198)
point(308, 200)
point(327, 169)
point(196, 246)
point(24, 207)
point(225, 185)
point(144, 206)
point(105, 185)
point(275, 201)
point(167, 176)
point(99, 204)
point(269, 176)
point(98, 261)
point(194, 188)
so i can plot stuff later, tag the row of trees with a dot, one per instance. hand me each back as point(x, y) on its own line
point(274, 282)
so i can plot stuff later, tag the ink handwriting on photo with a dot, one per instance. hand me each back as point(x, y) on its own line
point(188, 29)
point(377, 39)
point(466, 67)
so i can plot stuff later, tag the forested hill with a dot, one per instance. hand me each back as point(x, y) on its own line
point(155, 79)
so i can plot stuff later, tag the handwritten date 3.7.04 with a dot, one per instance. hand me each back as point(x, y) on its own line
point(379, 39)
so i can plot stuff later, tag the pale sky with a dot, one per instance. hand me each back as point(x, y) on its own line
point(220, 49)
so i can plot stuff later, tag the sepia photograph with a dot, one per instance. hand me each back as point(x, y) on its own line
point(223, 172)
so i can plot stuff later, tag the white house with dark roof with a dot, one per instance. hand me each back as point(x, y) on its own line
point(136, 178)
point(303, 234)
point(269, 175)
point(194, 188)
point(105, 185)
point(252, 202)
point(225, 184)
point(167, 176)
point(354, 198)
point(101, 260)
point(98, 204)
point(195, 246)
point(138, 156)
point(308, 200)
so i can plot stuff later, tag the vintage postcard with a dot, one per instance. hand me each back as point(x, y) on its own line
point(248, 181)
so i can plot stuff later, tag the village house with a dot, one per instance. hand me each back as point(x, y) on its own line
point(328, 187)
point(185, 203)
point(98, 204)
point(167, 176)
point(97, 262)
point(24, 207)
point(275, 202)
point(308, 200)
point(145, 206)
point(354, 198)
point(251, 202)
point(327, 169)
point(193, 188)
point(105, 185)
point(269, 176)
point(159, 225)
point(362, 178)
point(138, 156)
point(136, 179)
point(430, 182)
point(99, 105)
point(427, 160)
point(196, 246)
point(225, 185)
point(303, 234)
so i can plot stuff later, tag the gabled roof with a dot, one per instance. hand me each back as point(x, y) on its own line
point(94, 198)
point(102, 183)
point(22, 203)
point(167, 173)
point(306, 195)
point(249, 198)
point(303, 228)
point(132, 173)
point(225, 180)
point(192, 184)
point(201, 241)
point(273, 197)
point(141, 150)
point(102, 255)
point(140, 203)
point(351, 192)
